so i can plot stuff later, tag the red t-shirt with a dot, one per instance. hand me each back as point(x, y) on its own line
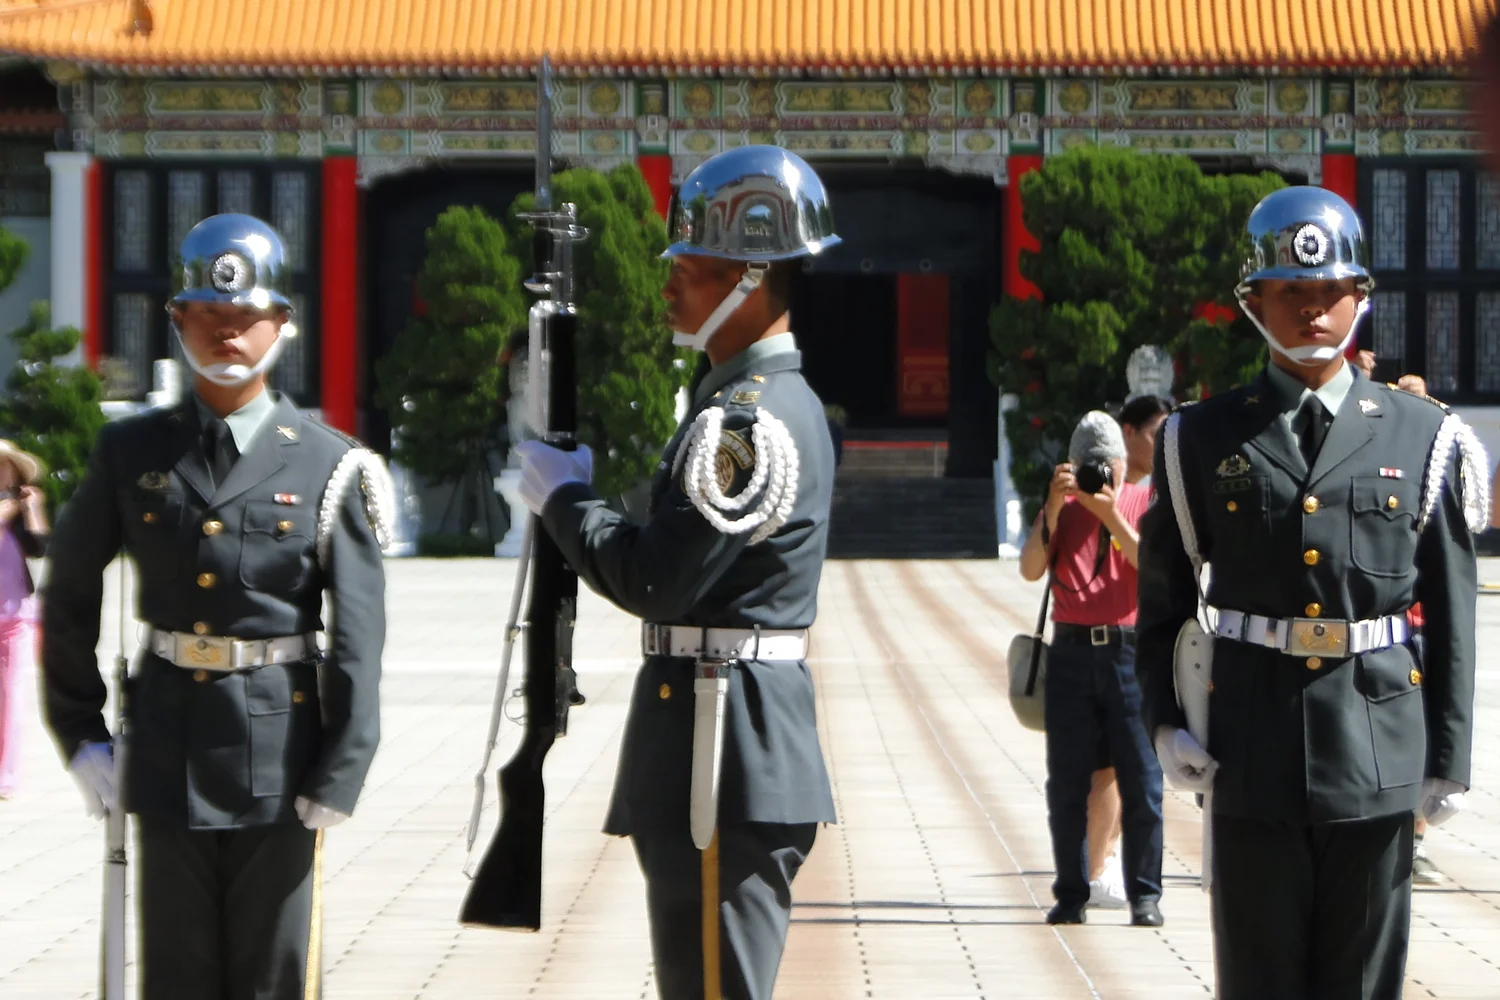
point(1078, 597)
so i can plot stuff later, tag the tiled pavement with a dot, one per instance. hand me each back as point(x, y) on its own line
point(933, 885)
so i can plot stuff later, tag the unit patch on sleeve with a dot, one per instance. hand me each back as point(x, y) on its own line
point(735, 455)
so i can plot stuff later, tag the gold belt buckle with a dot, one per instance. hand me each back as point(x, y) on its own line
point(206, 652)
point(1314, 637)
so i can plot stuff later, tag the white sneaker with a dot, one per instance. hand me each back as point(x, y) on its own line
point(1107, 892)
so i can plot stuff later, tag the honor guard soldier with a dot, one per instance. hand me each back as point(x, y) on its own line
point(1325, 505)
point(721, 782)
point(243, 739)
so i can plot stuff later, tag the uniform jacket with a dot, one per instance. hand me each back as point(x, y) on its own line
point(1343, 739)
point(221, 750)
point(679, 569)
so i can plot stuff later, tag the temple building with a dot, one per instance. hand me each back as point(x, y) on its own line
point(350, 124)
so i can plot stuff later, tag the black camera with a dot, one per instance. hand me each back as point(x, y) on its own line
point(1092, 476)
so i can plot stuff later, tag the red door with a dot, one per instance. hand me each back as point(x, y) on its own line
point(922, 345)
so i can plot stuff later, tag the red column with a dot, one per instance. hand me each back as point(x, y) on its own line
point(1341, 176)
point(1016, 238)
point(657, 169)
point(93, 275)
point(339, 334)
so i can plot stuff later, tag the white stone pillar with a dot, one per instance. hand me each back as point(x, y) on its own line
point(70, 223)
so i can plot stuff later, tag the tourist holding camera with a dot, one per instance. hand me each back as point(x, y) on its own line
point(1086, 538)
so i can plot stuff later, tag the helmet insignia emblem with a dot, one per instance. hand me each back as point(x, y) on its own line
point(1311, 246)
point(229, 273)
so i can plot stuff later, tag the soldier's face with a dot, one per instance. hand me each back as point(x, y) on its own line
point(695, 287)
point(1306, 313)
point(227, 335)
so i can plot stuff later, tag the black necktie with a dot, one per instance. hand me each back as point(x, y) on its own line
point(1312, 419)
point(219, 449)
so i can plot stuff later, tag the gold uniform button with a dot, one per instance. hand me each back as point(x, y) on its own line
point(1310, 505)
point(1231, 506)
point(200, 676)
point(200, 628)
point(664, 692)
point(1392, 503)
point(207, 580)
point(1314, 663)
point(149, 517)
point(212, 527)
point(1311, 557)
point(1416, 676)
point(298, 697)
point(1313, 610)
point(283, 526)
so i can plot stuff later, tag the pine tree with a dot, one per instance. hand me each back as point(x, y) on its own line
point(443, 382)
point(52, 409)
point(627, 375)
point(1132, 248)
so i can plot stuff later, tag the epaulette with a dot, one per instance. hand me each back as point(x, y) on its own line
point(1417, 395)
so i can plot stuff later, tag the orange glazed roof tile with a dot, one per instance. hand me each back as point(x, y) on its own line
point(509, 36)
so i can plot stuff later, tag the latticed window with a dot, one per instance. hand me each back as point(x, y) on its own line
point(1434, 229)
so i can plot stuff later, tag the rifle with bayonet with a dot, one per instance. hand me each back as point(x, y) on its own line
point(506, 891)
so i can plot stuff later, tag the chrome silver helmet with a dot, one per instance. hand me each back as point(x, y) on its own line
point(237, 260)
point(752, 203)
point(1306, 233)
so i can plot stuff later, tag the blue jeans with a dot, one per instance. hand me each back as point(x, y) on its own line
point(1092, 695)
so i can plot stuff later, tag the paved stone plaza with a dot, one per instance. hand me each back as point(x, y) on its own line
point(933, 886)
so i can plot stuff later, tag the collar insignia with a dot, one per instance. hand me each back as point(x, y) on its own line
point(1368, 406)
point(286, 432)
point(1236, 465)
point(155, 481)
point(1252, 400)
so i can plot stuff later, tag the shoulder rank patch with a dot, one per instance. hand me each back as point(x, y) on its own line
point(155, 481)
point(1235, 465)
point(735, 454)
point(745, 396)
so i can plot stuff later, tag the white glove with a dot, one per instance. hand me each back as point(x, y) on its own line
point(1185, 764)
point(545, 468)
point(93, 767)
point(1441, 800)
point(316, 817)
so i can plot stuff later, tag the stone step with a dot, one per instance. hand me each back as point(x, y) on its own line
point(912, 518)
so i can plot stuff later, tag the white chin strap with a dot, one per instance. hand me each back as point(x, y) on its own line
point(230, 375)
point(736, 298)
point(1309, 355)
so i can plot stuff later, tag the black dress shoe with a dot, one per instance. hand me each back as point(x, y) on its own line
point(1145, 913)
point(1066, 913)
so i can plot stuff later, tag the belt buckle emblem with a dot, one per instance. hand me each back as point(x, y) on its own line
point(1099, 635)
point(1315, 637)
point(206, 652)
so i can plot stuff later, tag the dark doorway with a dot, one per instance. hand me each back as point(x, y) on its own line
point(846, 327)
point(398, 213)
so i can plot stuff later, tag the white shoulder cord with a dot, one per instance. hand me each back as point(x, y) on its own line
point(1178, 490)
point(379, 498)
point(1474, 482)
point(775, 473)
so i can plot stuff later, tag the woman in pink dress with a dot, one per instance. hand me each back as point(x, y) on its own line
point(23, 533)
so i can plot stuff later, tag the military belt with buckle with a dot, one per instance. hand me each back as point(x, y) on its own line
point(224, 654)
point(723, 643)
point(1305, 637)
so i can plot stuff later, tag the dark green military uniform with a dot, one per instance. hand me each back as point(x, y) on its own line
point(680, 569)
point(1322, 758)
point(214, 760)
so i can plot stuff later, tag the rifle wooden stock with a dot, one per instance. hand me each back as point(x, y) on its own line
point(506, 891)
